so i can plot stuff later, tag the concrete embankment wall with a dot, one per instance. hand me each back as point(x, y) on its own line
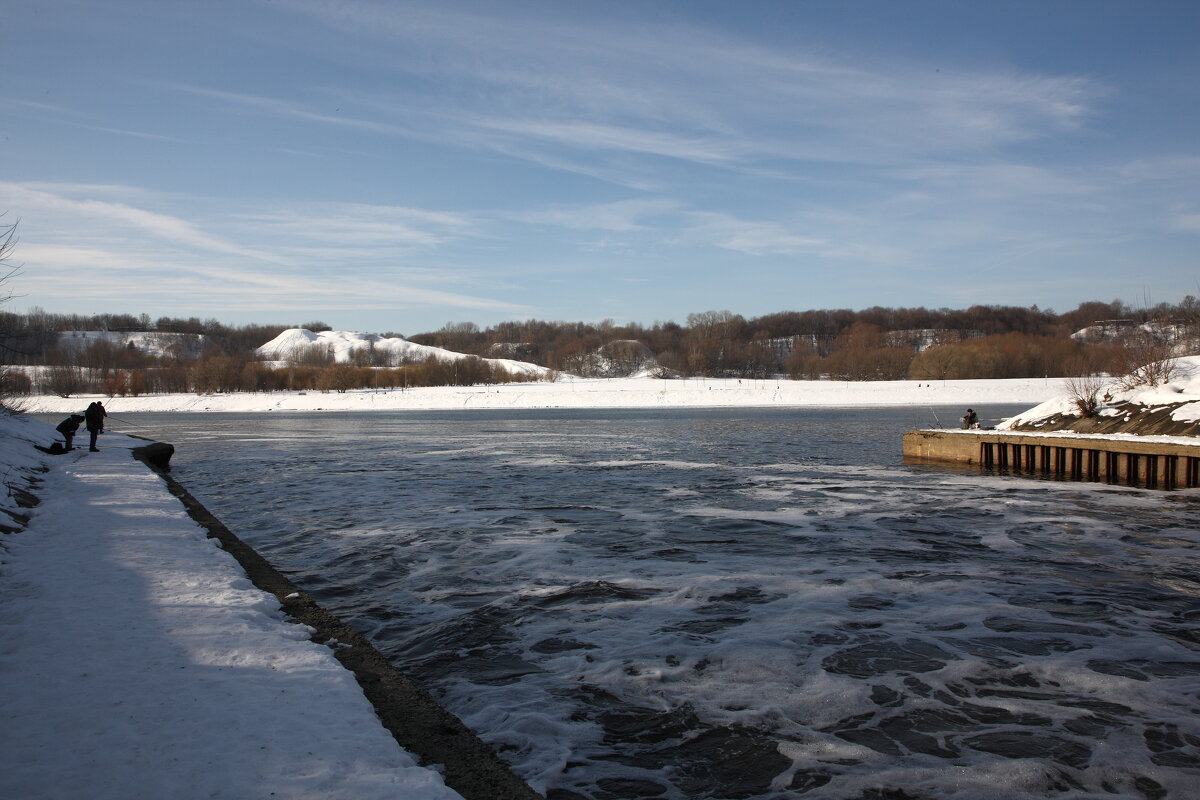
point(1154, 464)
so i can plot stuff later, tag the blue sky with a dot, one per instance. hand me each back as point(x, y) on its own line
point(394, 166)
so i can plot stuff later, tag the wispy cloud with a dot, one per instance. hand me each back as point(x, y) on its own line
point(286, 109)
point(33, 105)
point(595, 136)
point(1188, 223)
point(996, 180)
point(700, 95)
point(163, 226)
point(159, 283)
point(587, 96)
point(621, 217)
point(308, 255)
point(78, 119)
point(750, 236)
point(344, 226)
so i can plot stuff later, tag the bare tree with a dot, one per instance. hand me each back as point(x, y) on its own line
point(1149, 358)
point(8, 270)
point(63, 381)
point(10, 384)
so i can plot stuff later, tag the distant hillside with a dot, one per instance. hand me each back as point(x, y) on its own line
point(157, 344)
point(979, 342)
point(1183, 338)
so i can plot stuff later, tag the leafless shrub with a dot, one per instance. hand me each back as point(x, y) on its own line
point(15, 386)
point(1084, 392)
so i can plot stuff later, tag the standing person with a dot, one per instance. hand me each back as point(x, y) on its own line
point(94, 416)
point(68, 427)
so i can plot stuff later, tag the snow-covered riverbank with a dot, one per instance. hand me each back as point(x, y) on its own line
point(571, 392)
point(139, 661)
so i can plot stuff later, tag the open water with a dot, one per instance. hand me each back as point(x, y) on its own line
point(737, 603)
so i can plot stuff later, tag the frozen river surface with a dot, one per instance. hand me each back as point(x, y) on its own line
point(736, 604)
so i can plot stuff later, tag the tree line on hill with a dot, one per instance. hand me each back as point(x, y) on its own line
point(35, 333)
point(206, 356)
point(873, 344)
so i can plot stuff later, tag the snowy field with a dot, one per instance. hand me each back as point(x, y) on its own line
point(569, 392)
point(138, 661)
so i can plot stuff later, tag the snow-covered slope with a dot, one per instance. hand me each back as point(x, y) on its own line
point(342, 345)
point(20, 465)
point(1172, 408)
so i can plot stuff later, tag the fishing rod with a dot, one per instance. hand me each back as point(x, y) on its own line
point(109, 415)
point(935, 417)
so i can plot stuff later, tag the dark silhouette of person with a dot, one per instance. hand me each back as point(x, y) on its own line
point(970, 419)
point(94, 417)
point(68, 427)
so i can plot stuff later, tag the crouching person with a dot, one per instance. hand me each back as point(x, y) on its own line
point(68, 427)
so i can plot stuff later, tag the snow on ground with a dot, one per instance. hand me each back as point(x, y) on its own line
point(571, 392)
point(1184, 388)
point(342, 345)
point(138, 661)
point(1190, 441)
point(19, 462)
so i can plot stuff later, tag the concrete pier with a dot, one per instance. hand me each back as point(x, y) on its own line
point(1123, 460)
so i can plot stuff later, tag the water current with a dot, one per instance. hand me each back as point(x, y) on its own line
point(736, 603)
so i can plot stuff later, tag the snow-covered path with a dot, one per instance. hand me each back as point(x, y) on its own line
point(138, 661)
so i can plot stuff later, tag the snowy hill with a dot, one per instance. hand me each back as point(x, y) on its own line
point(1169, 409)
point(294, 343)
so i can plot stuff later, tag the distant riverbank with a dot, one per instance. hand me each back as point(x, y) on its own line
point(569, 392)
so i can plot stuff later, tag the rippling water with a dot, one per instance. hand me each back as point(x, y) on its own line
point(735, 604)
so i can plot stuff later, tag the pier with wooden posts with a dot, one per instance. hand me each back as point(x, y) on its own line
point(1119, 460)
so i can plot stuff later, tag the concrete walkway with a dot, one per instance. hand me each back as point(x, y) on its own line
point(138, 661)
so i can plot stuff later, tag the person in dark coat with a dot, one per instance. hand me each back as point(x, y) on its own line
point(970, 419)
point(68, 427)
point(94, 417)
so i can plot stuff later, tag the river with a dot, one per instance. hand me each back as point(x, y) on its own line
point(736, 603)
